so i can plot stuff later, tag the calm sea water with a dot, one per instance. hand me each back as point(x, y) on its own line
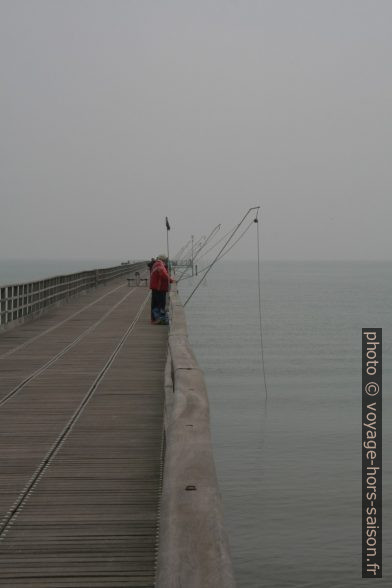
point(291, 482)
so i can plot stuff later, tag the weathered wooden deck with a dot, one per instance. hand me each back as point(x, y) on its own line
point(81, 417)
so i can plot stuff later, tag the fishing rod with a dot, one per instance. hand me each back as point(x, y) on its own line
point(213, 232)
point(222, 254)
point(185, 249)
point(219, 241)
point(180, 251)
point(195, 255)
point(190, 247)
point(198, 246)
point(183, 277)
point(186, 254)
point(203, 245)
point(222, 249)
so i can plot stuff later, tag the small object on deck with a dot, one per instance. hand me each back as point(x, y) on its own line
point(137, 282)
point(190, 487)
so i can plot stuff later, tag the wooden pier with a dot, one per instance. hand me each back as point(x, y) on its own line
point(107, 476)
point(81, 417)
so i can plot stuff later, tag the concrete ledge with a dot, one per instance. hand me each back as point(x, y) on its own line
point(193, 546)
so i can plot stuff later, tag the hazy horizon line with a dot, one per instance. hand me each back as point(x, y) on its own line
point(245, 259)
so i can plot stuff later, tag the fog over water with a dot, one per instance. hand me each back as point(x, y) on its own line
point(115, 114)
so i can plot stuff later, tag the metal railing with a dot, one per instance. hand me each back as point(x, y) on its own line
point(18, 301)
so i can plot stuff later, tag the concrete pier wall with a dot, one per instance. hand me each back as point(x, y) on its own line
point(193, 546)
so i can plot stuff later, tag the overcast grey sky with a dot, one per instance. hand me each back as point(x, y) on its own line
point(116, 113)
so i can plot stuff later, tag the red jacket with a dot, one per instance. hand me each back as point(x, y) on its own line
point(159, 279)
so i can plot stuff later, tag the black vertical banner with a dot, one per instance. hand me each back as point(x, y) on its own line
point(371, 453)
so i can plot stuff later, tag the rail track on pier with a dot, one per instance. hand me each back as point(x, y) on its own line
point(81, 401)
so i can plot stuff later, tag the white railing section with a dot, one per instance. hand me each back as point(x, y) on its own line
point(18, 301)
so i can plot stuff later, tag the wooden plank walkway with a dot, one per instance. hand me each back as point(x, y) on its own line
point(81, 418)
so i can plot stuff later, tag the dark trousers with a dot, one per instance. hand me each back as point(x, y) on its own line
point(158, 304)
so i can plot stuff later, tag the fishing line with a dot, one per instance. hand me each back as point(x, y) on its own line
point(222, 255)
point(256, 220)
point(210, 236)
point(204, 254)
point(187, 251)
point(181, 251)
point(220, 252)
point(215, 244)
point(219, 241)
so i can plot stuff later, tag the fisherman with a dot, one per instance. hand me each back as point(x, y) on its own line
point(159, 285)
